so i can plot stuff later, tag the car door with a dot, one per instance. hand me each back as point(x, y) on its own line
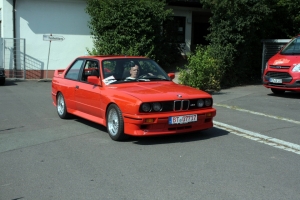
point(69, 83)
point(88, 96)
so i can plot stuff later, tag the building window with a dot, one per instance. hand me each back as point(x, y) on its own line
point(180, 27)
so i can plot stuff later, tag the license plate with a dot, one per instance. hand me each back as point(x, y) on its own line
point(275, 80)
point(182, 119)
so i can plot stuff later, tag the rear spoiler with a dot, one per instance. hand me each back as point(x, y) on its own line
point(58, 72)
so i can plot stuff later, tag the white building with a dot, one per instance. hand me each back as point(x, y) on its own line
point(27, 24)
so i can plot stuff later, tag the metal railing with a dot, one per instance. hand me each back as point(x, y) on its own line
point(13, 57)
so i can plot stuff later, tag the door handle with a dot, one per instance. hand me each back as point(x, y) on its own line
point(77, 87)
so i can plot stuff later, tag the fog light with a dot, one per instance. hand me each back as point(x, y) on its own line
point(208, 114)
point(151, 120)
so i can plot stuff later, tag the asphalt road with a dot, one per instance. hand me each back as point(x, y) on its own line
point(44, 157)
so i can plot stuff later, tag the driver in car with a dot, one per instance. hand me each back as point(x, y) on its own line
point(134, 72)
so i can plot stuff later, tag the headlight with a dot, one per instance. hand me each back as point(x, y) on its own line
point(208, 102)
point(296, 68)
point(156, 107)
point(146, 107)
point(200, 103)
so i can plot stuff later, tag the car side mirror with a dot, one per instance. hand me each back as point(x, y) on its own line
point(171, 75)
point(94, 80)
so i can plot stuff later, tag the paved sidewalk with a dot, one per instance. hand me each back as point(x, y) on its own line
point(176, 77)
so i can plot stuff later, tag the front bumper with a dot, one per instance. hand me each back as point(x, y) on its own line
point(288, 81)
point(293, 86)
point(136, 125)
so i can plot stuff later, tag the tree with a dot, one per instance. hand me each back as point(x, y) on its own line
point(133, 27)
point(286, 18)
point(236, 32)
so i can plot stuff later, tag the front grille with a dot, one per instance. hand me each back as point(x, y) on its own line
point(277, 84)
point(279, 67)
point(179, 105)
point(279, 75)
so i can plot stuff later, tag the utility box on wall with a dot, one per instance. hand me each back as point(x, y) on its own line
point(270, 48)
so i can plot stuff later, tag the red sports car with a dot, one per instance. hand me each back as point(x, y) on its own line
point(282, 72)
point(130, 95)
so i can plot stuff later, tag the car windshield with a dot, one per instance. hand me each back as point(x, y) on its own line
point(292, 48)
point(128, 70)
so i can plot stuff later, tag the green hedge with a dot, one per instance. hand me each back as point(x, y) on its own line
point(133, 27)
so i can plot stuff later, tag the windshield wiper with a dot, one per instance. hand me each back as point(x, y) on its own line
point(155, 78)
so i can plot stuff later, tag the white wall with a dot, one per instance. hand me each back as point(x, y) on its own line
point(6, 24)
point(66, 18)
point(7, 19)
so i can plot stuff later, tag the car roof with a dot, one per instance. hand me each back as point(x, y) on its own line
point(104, 57)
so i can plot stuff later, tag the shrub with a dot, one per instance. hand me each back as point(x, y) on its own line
point(202, 71)
point(133, 27)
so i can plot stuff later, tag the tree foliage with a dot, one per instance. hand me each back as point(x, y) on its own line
point(203, 70)
point(237, 28)
point(133, 27)
point(236, 34)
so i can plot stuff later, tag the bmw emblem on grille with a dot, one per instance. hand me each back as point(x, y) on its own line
point(179, 95)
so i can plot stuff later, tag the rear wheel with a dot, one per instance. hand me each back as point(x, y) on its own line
point(2, 82)
point(115, 123)
point(277, 91)
point(61, 106)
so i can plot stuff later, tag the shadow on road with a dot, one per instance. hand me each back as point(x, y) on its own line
point(179, 138)
point(163, 139)
point(289, 95)
point(9, 82)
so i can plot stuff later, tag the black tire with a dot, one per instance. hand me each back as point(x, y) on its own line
point(2, 82)
point(277, 91)
point(61, 106)
point(115, 123)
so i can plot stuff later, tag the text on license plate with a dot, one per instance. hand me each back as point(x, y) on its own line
point(275, 80)
point(182, 119)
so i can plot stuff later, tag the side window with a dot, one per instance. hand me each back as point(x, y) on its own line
point(109, 68)
point(73, 72)
point(91, 68)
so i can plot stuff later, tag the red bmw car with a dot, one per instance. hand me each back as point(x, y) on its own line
point(130, 95)
point(282, 72)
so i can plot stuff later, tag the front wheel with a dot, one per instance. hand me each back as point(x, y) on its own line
point(2, 82)
point(61, 106)
point(115, 123)
point(277, 91)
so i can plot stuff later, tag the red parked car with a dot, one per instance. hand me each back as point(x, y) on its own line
point(130, 95)
point(282, 72)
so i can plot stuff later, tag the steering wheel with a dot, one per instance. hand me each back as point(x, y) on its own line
point(148, 75)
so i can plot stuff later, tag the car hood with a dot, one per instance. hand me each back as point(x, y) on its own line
point(158, 91)
point(285, 60)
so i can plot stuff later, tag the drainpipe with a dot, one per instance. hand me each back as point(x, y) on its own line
point(14, 36)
